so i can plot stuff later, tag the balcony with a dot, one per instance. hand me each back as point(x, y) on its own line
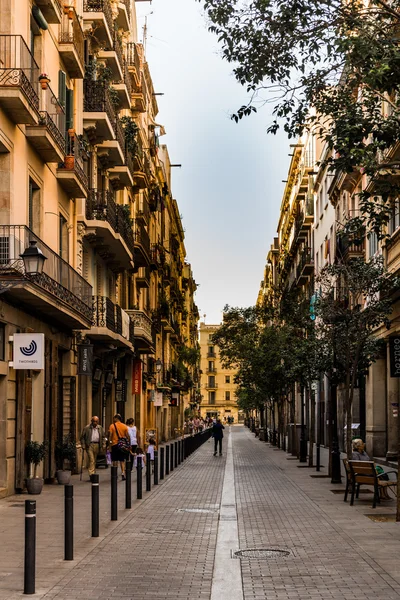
point(124, 14)
point(114, 58)
point(99, 14)
point(142, 278)
point(59, 294)
point(142, 246)
point(211, 385)
point(51, 10)
point(71, 44)
point(111, 152)
point(211, 371)
point(143, 214)
point(124, 88)
point(99, 118)
point(139, 97)
point(157, 257)
point(305, 267)
point(121, 176)
point(70, 173)
point(141, 175)
point(211, 355)
point(133, 61)
point(144, 343)
point(110, 323)
point(48, 136)
point(346, 251)
point(19, 81)
point(109, 229)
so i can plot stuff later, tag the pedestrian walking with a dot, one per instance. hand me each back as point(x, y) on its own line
point(150, 450)
point(117, 433)
point(191, 426)
point(139, 454)
point(132, 434)
point(218, 434)
point(92, 441)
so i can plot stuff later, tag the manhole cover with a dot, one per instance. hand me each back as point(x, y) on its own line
point(198, 510)
point(261, 553)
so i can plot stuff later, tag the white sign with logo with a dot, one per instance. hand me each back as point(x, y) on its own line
point(28, 351)
point(158, 399)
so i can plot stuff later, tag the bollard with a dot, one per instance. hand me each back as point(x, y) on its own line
point(171, 456)
point(185, 453)
point(30, 547)
point(114, 494)
point(162, 462)
point(175, 455)
point(182, 450)
point(69, 522)
point(178, 451)
point(139, 468)
point(128, 484)
point(148, 472)
point(155, 467)
point(167, 459)
point(95, 505)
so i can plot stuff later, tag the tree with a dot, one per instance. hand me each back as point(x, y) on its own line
point(355, 300)
point(328, 66)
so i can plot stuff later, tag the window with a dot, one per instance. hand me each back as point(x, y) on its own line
point(211, 351)
point(227, 378)
point(211, 365)
point(373, 244)
point(211, 397)
point(34, 208)
point(211, 381)
point(394, 221)
point(63, 238)
point(227, 396)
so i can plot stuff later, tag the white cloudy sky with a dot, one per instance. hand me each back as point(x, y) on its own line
point(230, 185)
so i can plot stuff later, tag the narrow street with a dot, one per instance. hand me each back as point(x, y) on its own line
point(178, 542)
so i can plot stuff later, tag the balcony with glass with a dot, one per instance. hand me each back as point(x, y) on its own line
point(48, 136)
point(71, 44)
point(58, 293)
point(19, 81)
point(99, 118)
point(70, 173)
point(98, 15)
point(110, 323)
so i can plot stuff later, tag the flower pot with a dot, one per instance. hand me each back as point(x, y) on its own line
point(34, 485)
point(63, 477)
point(69, 163)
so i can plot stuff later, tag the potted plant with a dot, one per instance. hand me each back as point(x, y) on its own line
point(44, 80)
point(65, 450)
point(35, 453)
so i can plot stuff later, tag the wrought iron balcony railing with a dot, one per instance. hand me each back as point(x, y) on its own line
point(111, 316)
point(52, 115)
point(71, 33)
point(133, 58)
point(118, 49)
point(58, 277)
point(127, 78)
point(142, 238)
point(124, 227)
point(74, 147)
point(100, 206)
point(100, 6)
point(18, 68)
point(97, 99)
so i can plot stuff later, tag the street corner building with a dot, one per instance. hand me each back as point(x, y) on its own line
point(93, 268)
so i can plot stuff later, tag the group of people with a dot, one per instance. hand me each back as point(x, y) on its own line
point(122, 442)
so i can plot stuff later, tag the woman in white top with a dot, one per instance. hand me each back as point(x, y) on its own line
point(132, 435)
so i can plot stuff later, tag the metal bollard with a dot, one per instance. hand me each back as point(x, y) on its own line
point(30, 547)
point(139, 468)
point(128, 484)
point(182, 451)
point(167, 459)
point(175, 455)
point(114, 494)
point(69, 522)
point(155, 467)
point(178, 452)
point(171, 455)
point(95, 505)
point(148, 473)
point(162, 462)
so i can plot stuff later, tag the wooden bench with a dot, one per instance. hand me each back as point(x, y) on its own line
point(364, 473)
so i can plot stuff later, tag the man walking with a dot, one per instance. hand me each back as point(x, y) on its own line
point(93, 440)
point(218, 434)
point(117, 431)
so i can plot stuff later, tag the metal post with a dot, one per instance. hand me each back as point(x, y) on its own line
point(171, 455)
point(114, 493)
point(336, 475)
point(175, 455)
point(319, 424)
point(69, 522)
point(303, 442)
point(30, 547)
point(167, 459)
point(155, 467)
point(148, 472)
point(95, 505)
point(139, 468)
point(178, 452)
point(128, 484)
point(182, 449)
point(162, 462)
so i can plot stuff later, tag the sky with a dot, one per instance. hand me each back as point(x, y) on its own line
point(229, 187)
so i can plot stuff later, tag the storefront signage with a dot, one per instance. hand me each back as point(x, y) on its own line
point(85, 359)
point(137, 377)
point(394, 351)
point(120, 390)
point(158, 399)
point(28, 351)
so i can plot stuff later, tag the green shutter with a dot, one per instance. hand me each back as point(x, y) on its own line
point(69, 109)
point(62, 88)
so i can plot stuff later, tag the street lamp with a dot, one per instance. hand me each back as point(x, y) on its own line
point(158, 365)
point(33, 259)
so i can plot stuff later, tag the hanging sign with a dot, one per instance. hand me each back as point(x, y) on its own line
point(158, 399)
point(85, 359)
point(394, 352)
point(28, 351)
point(137, 377)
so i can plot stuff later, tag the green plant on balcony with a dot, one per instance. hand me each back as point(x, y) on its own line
point(114, 97)
point(126, 213)
point(131, 132)
point(164, 306)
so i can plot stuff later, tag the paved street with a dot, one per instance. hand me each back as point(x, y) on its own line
point(178, 541)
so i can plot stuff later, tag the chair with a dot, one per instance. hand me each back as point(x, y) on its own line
point(364, 473)
point(349, 478)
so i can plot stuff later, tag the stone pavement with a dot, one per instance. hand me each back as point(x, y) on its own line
point(169, 544)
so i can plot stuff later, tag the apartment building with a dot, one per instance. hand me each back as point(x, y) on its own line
point(85, 184)
point(218, 389)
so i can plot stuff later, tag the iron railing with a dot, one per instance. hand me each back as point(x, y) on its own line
point(305, 259)
point(97, 99)
point(124, 227)
point(119, 134)
point(104, 313)
point(58, 277)
point(142, 322)
point(75, 148)
point(100, 6)
point(18, 67)
point(118, 49)
point(144, 210)
point(100, 206)
point(127, 78)
point(71, 33)
point(53, 116)
point(142, 238)
point(133, 58)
